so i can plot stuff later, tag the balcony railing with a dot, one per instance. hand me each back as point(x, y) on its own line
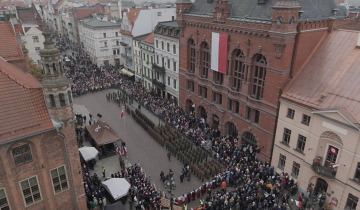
point(160, 69)
point(323, 170)
point(158, 84)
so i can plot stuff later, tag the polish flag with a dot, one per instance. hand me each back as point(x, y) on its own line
point(219, 52)
point(122, 113)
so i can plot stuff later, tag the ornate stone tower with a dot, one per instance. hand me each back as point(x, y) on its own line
point(286, 11)
point(59, 102)
point(56, 86)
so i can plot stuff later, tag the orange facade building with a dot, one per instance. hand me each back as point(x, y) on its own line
point(268, 41)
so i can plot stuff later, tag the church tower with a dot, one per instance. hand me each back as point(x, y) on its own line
point(59, 102)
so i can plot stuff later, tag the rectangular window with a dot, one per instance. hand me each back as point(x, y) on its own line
point(286, 136)
point(162, 45)
point(31, 190)
point(168, 47)
point(295, 170)
point(157, 44)
point(163, 61)
point(306, 119)
point(118, 51)
point(59, 180)
point(4, 205)
point(114, 52)
point(37, 49)
point(105, 44)
point(301, 143)
point(257, 116)
point(290, 113)
point(217, 98)
point(357, 172)
point(231, 104)
point(203, 91)
point(190, 85)
point(248, 113)
point(118, 43)
point(104, 35)
point(168, 81)
point(218, 77)
point(282, 161)
point(168, 63)
point(237, 107)
point(157, 75)
point(157, 59)
point(159, 13)
point(22, 154)
point(174, 65)
point(35, 39)
point(174, 49)
point(116, 34)
point(174, 83)
point(351, 202)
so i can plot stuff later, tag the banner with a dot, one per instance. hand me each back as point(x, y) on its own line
point(219, 52)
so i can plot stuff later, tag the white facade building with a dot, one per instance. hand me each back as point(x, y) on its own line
point(34, 41)
point(136, 23)
point(166, 41)
point(101, 41)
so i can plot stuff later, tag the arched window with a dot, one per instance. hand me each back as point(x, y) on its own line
point(192, 56)
point(249, 138)
point(47, 69)
point(259, 77)
point(69, 95)
point(54, 68)
point(238, 69)
point(205, 59)
point(62, 99)
point(52, 100)
point(233, 130)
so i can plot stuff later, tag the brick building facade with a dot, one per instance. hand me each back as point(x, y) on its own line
point(267, 43)
point(39, 158)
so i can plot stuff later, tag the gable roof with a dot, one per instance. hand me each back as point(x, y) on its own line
point(250, 9)
point(82, 12)
point(150, 39)
point(29, 16)
point(132, 15)
point(9, 46)
point(16, 3)
point(22, 107)
point(330, 80)
point(102, 133)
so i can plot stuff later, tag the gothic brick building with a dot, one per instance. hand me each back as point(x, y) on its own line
point(267, 43)
point(39, 158)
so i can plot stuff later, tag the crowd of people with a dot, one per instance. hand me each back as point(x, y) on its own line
point(253, 183)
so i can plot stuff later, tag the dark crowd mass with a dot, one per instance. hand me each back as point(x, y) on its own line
point(245, 182)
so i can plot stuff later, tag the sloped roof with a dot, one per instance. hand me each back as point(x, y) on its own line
point(29, 16)
point(22, 106)
point(330, 79)
point(58, 4)
point(132, 15)
point(150, 39)
point(16, 3)
point(102, 133)
point(82, 12)
point(95, 23)
point(9, 47)
point(312, 9)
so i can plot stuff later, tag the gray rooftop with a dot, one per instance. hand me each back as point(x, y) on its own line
point(250, 9)
point(95, 23)
point(169, 24)
point(141, 38)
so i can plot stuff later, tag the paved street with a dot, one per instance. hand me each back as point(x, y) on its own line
point(141, 147)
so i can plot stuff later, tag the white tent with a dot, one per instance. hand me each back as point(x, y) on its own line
point(117, 187)
point(88, 153)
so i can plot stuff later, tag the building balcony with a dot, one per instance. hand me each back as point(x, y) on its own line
point(328, 172)
point(123, 44)
point(160, 69)
point(158, 84)
point(126, 56)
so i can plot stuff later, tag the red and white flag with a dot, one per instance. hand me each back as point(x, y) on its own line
point(219, 52)
point(122, 113)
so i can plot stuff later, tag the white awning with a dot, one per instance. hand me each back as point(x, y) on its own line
point(124, 71)
point(117, 187)
point(88, 153)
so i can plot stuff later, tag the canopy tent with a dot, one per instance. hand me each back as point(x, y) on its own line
point(127, 72)
point(117, 187)
point(102, 133)
point(88, 153)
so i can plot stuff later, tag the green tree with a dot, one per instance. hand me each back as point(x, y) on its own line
point(35, 70)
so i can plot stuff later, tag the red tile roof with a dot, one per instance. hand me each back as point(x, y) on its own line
point(85, 12)
point(132, 15)
point(16, 3)
point(22, 108)
point(102, 133)
point(9, 47)
point(332, 73)
point(30, 16)
point(58, 4)
point(150, 39)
